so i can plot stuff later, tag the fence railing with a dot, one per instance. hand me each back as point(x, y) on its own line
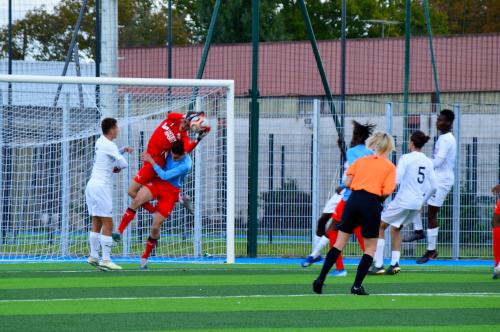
point(300, 165)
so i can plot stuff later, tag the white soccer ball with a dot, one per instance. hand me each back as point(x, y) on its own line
point(198, 124)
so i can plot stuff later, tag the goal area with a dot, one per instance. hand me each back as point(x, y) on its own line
point(49, 126)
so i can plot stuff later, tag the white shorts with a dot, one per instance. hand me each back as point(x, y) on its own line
point(99, 200)
point(439, 196)
point(332, 203)
point(397, 216)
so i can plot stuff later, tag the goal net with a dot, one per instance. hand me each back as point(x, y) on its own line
point(49, 126)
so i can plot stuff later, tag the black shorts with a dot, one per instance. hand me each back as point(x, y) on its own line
point(362, 208)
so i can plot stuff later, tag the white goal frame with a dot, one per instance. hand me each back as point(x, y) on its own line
point(158, 82)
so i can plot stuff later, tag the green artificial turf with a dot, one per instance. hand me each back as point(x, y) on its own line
point(74, 297)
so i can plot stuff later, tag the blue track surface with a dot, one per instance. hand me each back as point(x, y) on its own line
point(269, 260)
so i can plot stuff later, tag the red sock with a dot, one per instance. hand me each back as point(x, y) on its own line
point(149, 207)
point(128, 216)
point(332, 236)
point(357, 232)
point(496, 244)
point(150, 245)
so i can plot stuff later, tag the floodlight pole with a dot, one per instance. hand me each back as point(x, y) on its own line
point(71, 49)
point(9, 96)
point(407, 74)
point(169, 41)
point(431, 49)
point(208, 41)
point(321, 69)
point(97, 49)
point(343, 50)
point(253, 157)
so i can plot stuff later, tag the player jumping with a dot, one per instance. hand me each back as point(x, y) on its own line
point(371, 179)
point(165, 188)
point(445, 151)
point(174, 128)
point(334, 208)
point(108, 160)
point(416, 179)
point(495, 223)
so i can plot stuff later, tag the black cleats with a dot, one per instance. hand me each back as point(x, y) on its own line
point(414, 237)
point(358, 291)
point(318, 286)
point(429, 254)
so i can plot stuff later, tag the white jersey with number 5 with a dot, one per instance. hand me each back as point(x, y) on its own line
point(416, 178)
point(445, 152)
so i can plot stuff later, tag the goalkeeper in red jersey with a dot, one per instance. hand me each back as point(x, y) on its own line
point(174, 128)
point(165, 188)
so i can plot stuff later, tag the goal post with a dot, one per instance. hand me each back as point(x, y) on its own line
point(47, 151)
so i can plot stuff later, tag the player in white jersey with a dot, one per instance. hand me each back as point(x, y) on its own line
point(108, 160)
point(417, 182)
point(445, 152)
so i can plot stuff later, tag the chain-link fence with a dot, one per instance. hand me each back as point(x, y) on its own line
point(300, 165)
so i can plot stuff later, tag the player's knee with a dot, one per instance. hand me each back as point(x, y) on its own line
point(132, 192)
point(155, 231)
point(320, 232)
point(495, 221)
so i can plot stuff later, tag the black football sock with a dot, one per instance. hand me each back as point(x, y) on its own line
point(330, 259)
point(363, 267)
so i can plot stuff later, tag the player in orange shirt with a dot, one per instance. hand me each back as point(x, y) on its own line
point(372, 179)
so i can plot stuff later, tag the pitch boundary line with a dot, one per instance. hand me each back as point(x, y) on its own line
point(494, 295)
point(458, 269)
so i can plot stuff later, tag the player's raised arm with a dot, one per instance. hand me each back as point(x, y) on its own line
point(113, 151)
point(181, 169)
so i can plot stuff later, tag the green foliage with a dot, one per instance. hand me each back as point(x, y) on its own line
point(45, 34)
point(281, 20)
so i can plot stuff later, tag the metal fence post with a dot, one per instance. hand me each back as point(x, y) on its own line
point(65, 199)
point(315, 168)
point(1, 166)
point(388, 128)
point(127, 174)
point(455, 252)
point(198, 194)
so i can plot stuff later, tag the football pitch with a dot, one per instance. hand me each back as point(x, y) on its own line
point(266, 297)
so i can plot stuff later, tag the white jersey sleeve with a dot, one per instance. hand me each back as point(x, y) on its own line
point(445, 151)
point(107, 156)
point(112, 151)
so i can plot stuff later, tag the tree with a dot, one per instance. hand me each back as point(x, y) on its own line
point(234, 24)
point(45, 34)
point(281, 20)
point(470, 16)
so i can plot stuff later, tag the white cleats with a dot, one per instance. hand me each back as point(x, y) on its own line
point(93, 261)
point(144, 264)
point(109, 266)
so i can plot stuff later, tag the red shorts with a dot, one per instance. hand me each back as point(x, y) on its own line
point(497, 209)
point(339, 211)
point(166, 194)
point(147, 173)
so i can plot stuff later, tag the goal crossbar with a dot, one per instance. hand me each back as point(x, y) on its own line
point(191, 83)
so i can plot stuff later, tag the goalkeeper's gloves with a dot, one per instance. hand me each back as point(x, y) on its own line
point(203, 134)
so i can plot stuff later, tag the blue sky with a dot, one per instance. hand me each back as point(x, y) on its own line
point(20, 7)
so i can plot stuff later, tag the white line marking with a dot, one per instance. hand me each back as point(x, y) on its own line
point(300, 270)
point(248, 296)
